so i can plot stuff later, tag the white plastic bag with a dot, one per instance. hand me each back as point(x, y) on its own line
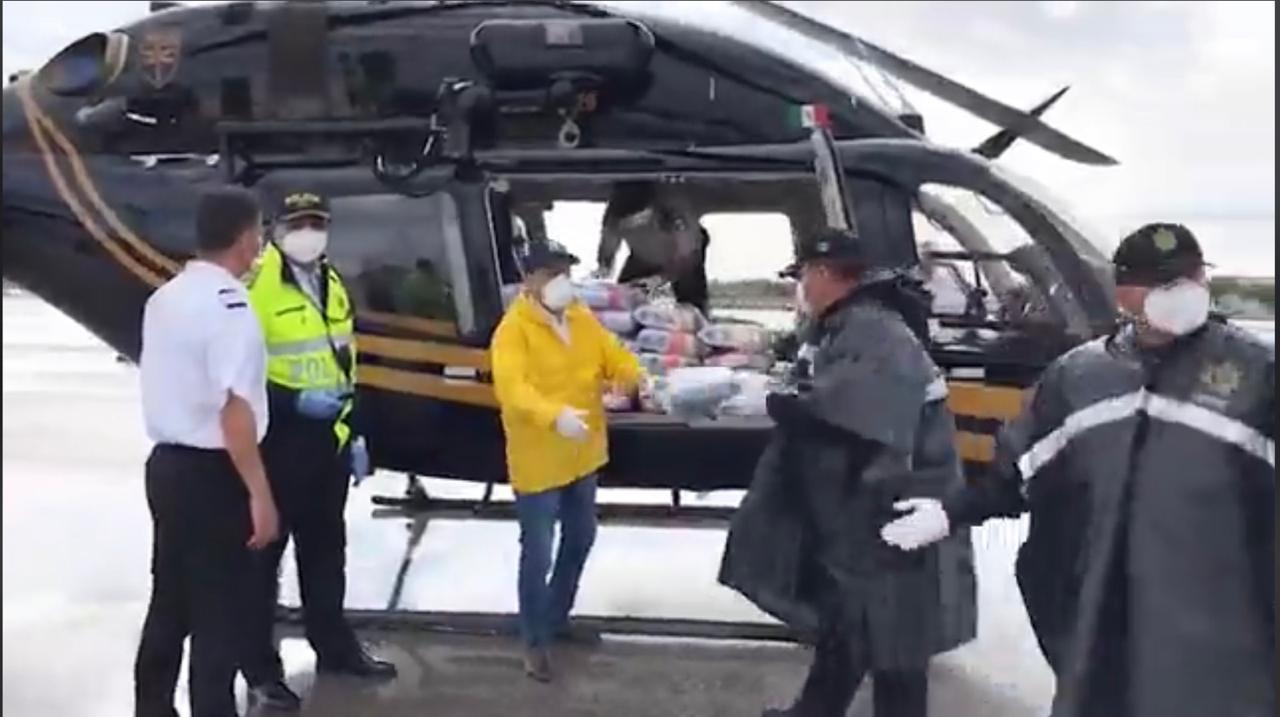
point(753, 390)
point(696, 392)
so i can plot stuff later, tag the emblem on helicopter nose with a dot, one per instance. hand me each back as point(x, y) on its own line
point(158, 56)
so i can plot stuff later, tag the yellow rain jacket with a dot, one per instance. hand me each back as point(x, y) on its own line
point(536, 374)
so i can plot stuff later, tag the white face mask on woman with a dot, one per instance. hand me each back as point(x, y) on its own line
point(304, 246)
point(558, 293)
point(1178, 308)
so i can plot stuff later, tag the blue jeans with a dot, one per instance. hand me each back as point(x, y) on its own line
point(545, 606)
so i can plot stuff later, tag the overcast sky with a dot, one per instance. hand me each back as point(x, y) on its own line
point(1183, 94)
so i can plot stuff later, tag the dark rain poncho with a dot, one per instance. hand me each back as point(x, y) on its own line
point(1149, 570)
point(872, 429)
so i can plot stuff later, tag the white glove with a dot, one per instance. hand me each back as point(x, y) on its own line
point(571, 425)
point(927, 523)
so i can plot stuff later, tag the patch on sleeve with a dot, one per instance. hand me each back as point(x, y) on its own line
point(230, 298)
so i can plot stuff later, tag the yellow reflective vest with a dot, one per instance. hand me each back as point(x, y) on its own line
point(536, 374)
point(302, 343)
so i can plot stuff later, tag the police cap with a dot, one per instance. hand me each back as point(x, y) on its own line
point(835, 245)
point(1157, 254)
point(302, 204)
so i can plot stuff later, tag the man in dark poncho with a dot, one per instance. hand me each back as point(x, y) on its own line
point(867, 427)
point(1147, 462)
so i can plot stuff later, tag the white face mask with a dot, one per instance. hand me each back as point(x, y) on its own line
point(304, 246)
point(558, 293)
point(1177, 309)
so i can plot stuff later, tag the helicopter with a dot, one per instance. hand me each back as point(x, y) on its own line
point(437, 128)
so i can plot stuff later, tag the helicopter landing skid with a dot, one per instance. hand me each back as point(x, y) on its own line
point(500, 624)
point(417, 503)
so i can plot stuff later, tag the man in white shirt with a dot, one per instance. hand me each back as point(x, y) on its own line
point(204, 400)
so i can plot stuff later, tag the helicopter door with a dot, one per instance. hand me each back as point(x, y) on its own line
point(878, 214)
point(831, 182)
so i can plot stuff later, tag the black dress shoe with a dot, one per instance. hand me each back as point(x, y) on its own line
point(357, 664)
point(275, 696)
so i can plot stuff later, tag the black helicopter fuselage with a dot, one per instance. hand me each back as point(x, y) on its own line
point(414, 113)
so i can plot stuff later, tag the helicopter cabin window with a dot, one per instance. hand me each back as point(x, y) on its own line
point(392, 250)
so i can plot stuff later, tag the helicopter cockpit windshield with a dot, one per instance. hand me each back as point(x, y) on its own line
point(1089, 242)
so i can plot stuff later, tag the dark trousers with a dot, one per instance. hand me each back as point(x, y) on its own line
point(200, 571)
point(843, 657)
point(840, 662)
point(309, 479)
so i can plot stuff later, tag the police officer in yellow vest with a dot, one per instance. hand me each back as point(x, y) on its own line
point(310, 452)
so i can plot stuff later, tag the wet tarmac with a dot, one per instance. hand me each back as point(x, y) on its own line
point(76, 542)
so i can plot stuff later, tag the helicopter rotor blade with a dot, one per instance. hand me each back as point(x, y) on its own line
point(1027, 126)
point(996, 144)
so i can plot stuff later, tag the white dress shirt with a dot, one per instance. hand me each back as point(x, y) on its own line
point(309, 281)
point(200, 340)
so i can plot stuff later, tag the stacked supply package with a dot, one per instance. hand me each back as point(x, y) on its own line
point(738, 346)
point(613, 304)
point(668, 337)
point(717, 366)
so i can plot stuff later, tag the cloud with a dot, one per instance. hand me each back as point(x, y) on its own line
point(1061, 9)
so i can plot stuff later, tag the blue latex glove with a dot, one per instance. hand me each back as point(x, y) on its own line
point(319, 403)
point(360, 465)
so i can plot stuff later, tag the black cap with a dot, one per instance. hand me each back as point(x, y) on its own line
point(827, 245)
point(1157, 254)
point(546, 254)
point(302, 204)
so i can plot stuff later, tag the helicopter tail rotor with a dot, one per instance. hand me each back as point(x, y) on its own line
point(996, 144)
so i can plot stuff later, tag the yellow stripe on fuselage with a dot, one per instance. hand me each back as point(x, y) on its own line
point(60, 185)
